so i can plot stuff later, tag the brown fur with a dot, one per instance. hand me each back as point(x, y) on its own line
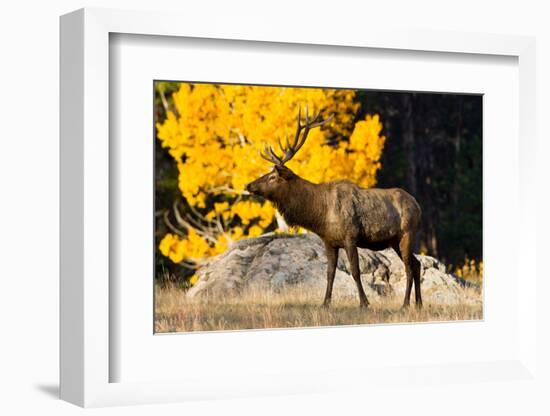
point(347, 216)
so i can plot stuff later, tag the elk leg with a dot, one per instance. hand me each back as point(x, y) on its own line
point(332, 258)
point(416, 275)
point(353, 257)
point(395, 245)
point(405, 249)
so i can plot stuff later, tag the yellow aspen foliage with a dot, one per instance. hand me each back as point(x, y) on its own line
point(215, 134)
point(470, 270)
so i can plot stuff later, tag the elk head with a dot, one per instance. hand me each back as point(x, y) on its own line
point(272, 184)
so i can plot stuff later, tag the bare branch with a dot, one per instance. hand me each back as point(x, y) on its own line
point(218, 224)
point(197, 264)
point(208, 236)
point(228, 190)
point(198, 214)
point(170, 225)
point(164, 100)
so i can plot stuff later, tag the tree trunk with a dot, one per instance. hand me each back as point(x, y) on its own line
point(456, 142)
point(409, 142)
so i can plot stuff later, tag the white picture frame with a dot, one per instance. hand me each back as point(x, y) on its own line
point(85, 162)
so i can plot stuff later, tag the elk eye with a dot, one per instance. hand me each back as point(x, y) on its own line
point(271, 178)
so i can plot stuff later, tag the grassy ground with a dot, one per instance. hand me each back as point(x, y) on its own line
point(175, 313)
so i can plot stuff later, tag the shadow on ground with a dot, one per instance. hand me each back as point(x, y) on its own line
point(51, 390)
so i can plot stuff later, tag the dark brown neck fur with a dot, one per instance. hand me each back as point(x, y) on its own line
point(301, 204)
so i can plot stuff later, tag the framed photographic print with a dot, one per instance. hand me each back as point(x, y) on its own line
point(225, 195)
point(235, 209)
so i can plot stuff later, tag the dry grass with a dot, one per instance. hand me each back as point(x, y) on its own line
point(175, 313)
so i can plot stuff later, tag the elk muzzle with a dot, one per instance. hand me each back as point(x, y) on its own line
point(258, 188)
point(252, 187)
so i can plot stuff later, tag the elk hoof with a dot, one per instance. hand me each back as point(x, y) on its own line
point(326, 304)
point(364, 305)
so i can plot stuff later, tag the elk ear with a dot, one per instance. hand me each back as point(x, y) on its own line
point(284, 172)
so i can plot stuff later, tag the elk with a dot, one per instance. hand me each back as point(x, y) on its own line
point(341, 213)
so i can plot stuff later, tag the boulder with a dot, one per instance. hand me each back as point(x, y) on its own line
point(281, 262)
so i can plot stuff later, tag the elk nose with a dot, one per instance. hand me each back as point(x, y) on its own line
point(251, 187)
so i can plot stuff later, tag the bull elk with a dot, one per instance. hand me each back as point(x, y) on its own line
point(342, 214)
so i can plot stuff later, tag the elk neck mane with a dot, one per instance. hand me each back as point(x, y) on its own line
point(301, 204)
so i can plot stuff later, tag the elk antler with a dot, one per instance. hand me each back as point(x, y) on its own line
point(292, 148)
